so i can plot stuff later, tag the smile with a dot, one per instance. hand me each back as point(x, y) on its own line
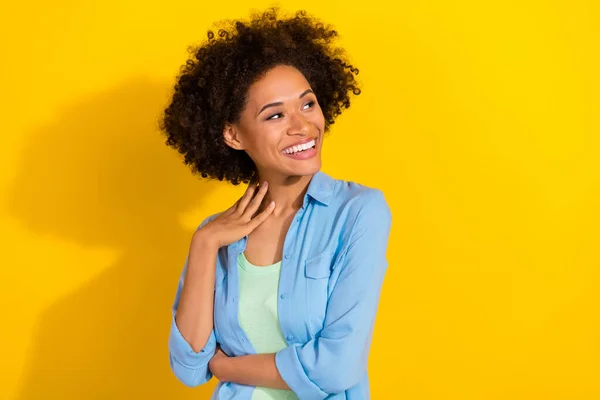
point(300, 148)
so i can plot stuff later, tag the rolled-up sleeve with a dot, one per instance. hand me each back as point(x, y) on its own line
point(336, 359)
point(189, 366)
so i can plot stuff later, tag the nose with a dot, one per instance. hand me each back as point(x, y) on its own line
point(298, 125)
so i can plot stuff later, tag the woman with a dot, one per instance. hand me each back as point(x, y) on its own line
point(279, 292)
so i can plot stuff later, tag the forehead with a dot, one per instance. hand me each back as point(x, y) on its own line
point(278, 84)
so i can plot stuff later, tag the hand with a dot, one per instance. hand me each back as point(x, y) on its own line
point(216, 363)
point(238, 220)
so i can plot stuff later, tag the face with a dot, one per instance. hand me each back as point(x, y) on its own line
point(281, 127)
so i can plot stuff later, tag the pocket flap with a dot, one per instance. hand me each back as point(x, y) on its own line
point(319, 266)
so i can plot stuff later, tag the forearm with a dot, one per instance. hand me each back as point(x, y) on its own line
point(253, 370)
point(194, 315)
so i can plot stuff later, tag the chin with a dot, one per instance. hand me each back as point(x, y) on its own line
point(310, 170)
point(306, 170)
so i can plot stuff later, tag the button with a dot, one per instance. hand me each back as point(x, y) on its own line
point(284, 296)
point(287, 256)
point(290, 337)
point(243, 340)
point(233, 299)
point(298, 219)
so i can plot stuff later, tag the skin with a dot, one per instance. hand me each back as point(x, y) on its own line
point(263, 135)
point(281, 110)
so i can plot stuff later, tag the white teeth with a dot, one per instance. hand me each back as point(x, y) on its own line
point(301, 147)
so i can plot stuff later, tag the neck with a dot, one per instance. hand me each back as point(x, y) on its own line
point(287, 192)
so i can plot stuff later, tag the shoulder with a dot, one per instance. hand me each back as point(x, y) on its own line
point(358, 210)
point(360, 200)
point(363, 213)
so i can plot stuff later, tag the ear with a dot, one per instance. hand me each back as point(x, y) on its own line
point(232, 137)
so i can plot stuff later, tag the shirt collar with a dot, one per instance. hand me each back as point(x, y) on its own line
point(321, 187)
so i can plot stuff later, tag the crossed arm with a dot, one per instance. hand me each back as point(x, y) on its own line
point(253, 369)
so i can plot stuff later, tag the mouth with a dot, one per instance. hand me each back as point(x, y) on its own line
point(302, 151)
point(300, 148)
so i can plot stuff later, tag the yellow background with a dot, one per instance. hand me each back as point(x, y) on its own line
point(479, 120)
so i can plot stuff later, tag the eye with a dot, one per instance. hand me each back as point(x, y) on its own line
point(272, 117)
point(309, 104)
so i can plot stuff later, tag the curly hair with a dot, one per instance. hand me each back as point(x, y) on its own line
point(212, 86)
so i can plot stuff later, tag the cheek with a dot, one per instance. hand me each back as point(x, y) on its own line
point(319, 120)
point(263, 143)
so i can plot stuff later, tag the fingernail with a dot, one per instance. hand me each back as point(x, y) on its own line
point(265, 183)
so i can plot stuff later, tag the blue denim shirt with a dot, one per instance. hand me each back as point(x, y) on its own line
point(333, 266)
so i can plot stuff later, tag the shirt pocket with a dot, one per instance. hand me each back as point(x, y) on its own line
point(317, 270)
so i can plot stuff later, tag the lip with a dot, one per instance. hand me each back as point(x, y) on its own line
point(301, 142)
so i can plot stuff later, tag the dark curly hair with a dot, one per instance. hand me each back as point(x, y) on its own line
point(213, 84)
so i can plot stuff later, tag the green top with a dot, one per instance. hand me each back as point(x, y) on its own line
point(258, 316)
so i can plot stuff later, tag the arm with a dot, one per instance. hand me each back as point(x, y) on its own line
point(337, 359)
point(252, 370)
point(192, 341)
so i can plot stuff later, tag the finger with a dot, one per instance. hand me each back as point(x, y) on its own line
point(260, 218)
point(255, 202)
point(246, 198)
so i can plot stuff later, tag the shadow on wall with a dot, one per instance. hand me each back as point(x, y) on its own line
point(101, 176)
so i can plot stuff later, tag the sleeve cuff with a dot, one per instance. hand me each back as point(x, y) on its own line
point(183, 352)
point(291, 370)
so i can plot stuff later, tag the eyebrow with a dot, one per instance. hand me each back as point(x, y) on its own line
point(279, 103)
